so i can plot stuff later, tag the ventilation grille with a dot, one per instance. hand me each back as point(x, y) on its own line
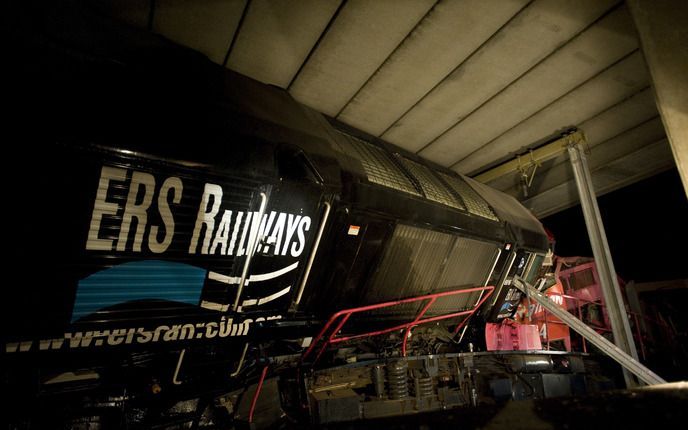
point(379, 167)
point(420, 261)
point(475, 204)
point(433, 188)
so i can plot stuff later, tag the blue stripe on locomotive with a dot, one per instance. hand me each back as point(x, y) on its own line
point(139, 280)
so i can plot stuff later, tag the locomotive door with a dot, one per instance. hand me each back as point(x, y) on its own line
point(347, 259)
point(285, 229)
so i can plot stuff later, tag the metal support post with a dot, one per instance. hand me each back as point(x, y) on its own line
point(623, 337)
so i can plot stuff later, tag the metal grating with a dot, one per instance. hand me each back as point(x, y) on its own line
point(469, 264)
point(420, 261)
point(379, 167)
point(475, 204)
point(433, 188)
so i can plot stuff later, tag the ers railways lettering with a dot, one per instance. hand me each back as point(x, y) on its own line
point(216, 230)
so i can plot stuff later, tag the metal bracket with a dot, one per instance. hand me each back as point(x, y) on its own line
point(176, 381)
point(527, 177)
point(241, 362)
point(552, 148)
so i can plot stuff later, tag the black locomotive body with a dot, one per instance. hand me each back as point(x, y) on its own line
point(180, 226)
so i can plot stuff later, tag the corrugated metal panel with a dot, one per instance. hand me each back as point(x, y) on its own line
point(421, 261)
point(475, 204)
point(433, 188)
point(411, 264)
point(378, 165)
point(469, 264)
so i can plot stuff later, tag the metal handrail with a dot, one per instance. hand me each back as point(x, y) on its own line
point(314, 251)
point(343, 316)
point(254, 400)
point(253, 243)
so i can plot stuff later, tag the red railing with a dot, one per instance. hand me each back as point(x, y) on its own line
point(343, 316)
point(254, 400)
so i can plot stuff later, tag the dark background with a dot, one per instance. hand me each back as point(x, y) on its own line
point(647, 231)
point(646, 225)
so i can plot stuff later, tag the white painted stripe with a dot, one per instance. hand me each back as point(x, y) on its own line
point(223, 278)
point(274, 296)
point(272, 275)
point(214, 306)
point(263, 300)
point(72, 377)
point(232, 280)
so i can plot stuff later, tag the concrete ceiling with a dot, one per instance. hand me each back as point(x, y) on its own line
point(467, 84)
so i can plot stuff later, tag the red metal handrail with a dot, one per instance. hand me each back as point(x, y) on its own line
point(254, 400)
point(343, 317)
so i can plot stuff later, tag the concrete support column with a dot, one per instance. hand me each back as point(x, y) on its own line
point(663, 29)
point(621, 329)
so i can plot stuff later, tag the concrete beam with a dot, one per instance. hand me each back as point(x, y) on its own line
point(522, 43)
point(663, 29)
point(606, 126)
point(559, 171)
point(276, 37)
point(444, 39)
point(599, 46)
point(364, 34)
point(615, 84)
point(652, 159)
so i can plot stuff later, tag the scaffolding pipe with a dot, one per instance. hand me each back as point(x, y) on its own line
point(623, 337)
point(628, 363)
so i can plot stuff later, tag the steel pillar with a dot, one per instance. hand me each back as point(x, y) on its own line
point(623, 336)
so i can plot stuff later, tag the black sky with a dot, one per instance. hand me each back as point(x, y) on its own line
point(646, 225)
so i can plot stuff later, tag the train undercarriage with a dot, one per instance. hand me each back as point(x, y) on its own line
point(402, 386)
point(352, 387)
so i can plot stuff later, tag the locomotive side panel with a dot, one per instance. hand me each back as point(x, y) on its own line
point(146, 252)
